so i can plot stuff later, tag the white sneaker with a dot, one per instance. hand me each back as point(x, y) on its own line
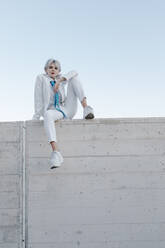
point(88, 113)
point(60, 157)
point(56, 159)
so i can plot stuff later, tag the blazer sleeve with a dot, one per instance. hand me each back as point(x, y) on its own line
point(70, 75)
point(38, 98)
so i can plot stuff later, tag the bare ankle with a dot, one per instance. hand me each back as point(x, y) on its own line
point(53, 145)
point(84, 102)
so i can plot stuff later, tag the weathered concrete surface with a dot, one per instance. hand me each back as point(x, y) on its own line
point(11, 184)
point(110, 190)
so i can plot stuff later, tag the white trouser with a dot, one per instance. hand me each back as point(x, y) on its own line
point(74, 92)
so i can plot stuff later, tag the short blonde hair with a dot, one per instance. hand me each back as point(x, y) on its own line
point(50, 61)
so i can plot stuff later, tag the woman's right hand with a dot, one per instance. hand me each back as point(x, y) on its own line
point(56, 87)
point(57, 84)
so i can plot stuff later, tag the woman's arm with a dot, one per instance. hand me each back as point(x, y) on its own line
point(70, 75)
point(38, 99)
point(64, 78)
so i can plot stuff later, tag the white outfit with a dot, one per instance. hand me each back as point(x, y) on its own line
point(44, 100)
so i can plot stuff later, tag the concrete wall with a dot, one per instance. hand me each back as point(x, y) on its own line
point(109, 193)
point(11, 185)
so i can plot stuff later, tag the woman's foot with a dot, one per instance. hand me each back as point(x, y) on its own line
point(56, 159)
point(88, 113)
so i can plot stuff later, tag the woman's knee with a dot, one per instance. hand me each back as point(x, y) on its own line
point(74, 80)
point(52, 115)
point(47, 115)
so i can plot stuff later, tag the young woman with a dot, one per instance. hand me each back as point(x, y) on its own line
point(51, 103)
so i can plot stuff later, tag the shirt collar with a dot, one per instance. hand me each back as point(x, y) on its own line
point(51, 79)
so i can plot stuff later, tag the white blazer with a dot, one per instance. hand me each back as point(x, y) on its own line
point(42, 92)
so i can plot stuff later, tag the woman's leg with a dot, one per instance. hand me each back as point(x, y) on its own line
point(50, 117)
point(75, 91)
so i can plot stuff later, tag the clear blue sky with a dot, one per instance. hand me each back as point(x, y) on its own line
point(117, 47)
